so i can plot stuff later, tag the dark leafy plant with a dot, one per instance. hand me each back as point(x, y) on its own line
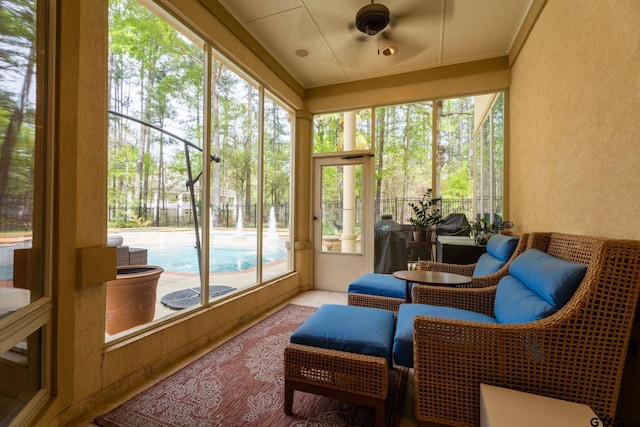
point(426, 212)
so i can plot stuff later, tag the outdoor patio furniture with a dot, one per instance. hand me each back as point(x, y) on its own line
point(491, 266)
point(455, 224)
point(131, 256)
point(575, 354)
point(342, 352)
point(537, 286)
point(378, 291)
point(386, 292)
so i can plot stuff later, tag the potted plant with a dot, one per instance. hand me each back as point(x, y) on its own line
point(131, 297)
point(426, 214)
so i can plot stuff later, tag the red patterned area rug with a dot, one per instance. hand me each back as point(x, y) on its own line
point(241, 383)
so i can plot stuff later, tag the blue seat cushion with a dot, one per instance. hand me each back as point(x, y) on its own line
point(516, 303)
point(499, 251)
point(487, 265)
point(539, 285)
point(384, 285)
point(361, 330)
point(403, 340)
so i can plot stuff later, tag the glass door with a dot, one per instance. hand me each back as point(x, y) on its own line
point(343, 221)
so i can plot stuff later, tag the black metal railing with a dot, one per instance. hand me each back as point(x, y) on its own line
point(16, 214)
point(227, 215)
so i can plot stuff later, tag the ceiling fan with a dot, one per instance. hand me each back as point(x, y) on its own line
point(397, 31)
point(372, 18)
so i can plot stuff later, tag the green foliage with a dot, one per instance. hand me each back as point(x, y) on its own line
point(156, 74)
point(129, 220)
point(456, 181)
point(18, 53)
point(426, 213)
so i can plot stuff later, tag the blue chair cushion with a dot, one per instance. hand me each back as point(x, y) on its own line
point(403, 340)
point(499, 251)
point(361, 330)
point(516, 303)
point(539, 285)
point(502, 246)
point(487, 265)
point(384, 285)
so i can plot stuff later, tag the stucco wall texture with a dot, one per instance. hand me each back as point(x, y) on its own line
point(575, 135)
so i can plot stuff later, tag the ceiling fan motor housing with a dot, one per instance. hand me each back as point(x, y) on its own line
point(372, 18)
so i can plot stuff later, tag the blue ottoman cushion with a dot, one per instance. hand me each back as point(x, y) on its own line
point(361, 330)
point(384, 285)
point(403, 340)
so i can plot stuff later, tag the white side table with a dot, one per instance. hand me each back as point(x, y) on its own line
point(501, 407)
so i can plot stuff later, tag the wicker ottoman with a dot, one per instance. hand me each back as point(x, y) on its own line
point(343, 352)
point(377, 291)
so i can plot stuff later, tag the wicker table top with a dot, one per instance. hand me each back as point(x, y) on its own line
point(429, 278)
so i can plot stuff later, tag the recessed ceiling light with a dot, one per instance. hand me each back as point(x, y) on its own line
point(301, 52)
point(389, 50)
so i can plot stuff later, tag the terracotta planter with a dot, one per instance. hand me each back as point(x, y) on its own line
point(131, 298)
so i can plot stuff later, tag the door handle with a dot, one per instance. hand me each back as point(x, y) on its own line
point(357, 156)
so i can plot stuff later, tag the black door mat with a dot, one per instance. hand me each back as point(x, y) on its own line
point(184, 298)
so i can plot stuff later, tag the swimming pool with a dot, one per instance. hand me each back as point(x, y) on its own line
point(226, 259)
point(184, 258)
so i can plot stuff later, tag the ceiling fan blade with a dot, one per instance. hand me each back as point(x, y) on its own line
point(415, 12)
point(350, 53)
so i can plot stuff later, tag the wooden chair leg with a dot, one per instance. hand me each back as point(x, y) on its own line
point(288, 398)
point(380, 415)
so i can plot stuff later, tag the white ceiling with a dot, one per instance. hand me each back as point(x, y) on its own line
point(427, 33)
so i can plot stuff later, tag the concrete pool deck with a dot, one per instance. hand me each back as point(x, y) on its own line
point(171, 281)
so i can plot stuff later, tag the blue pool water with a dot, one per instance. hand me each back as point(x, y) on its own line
point(184, 259)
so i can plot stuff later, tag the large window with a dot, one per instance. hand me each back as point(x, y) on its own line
point(404, 155)
point(199, 165)
point(489, 159)
point(453, 146)
point(25, 309)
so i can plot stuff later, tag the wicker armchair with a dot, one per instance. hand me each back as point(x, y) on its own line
point(576, 354)
point(393, 303)
point(467, 270)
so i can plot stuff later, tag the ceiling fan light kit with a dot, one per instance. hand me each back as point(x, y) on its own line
point(372, 18)
point(389, 50)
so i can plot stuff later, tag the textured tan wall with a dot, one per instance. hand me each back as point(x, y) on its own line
point(575, 133)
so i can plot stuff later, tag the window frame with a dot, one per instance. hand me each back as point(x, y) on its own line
point(211, 55)
point(37, 316)
point(474, 168)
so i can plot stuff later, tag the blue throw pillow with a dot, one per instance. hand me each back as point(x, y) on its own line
point(539, 285)
point(501, 246)
point(516, 303)
point(499, 251)
point(553, 279)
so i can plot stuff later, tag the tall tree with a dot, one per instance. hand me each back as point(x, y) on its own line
point(17, 58)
